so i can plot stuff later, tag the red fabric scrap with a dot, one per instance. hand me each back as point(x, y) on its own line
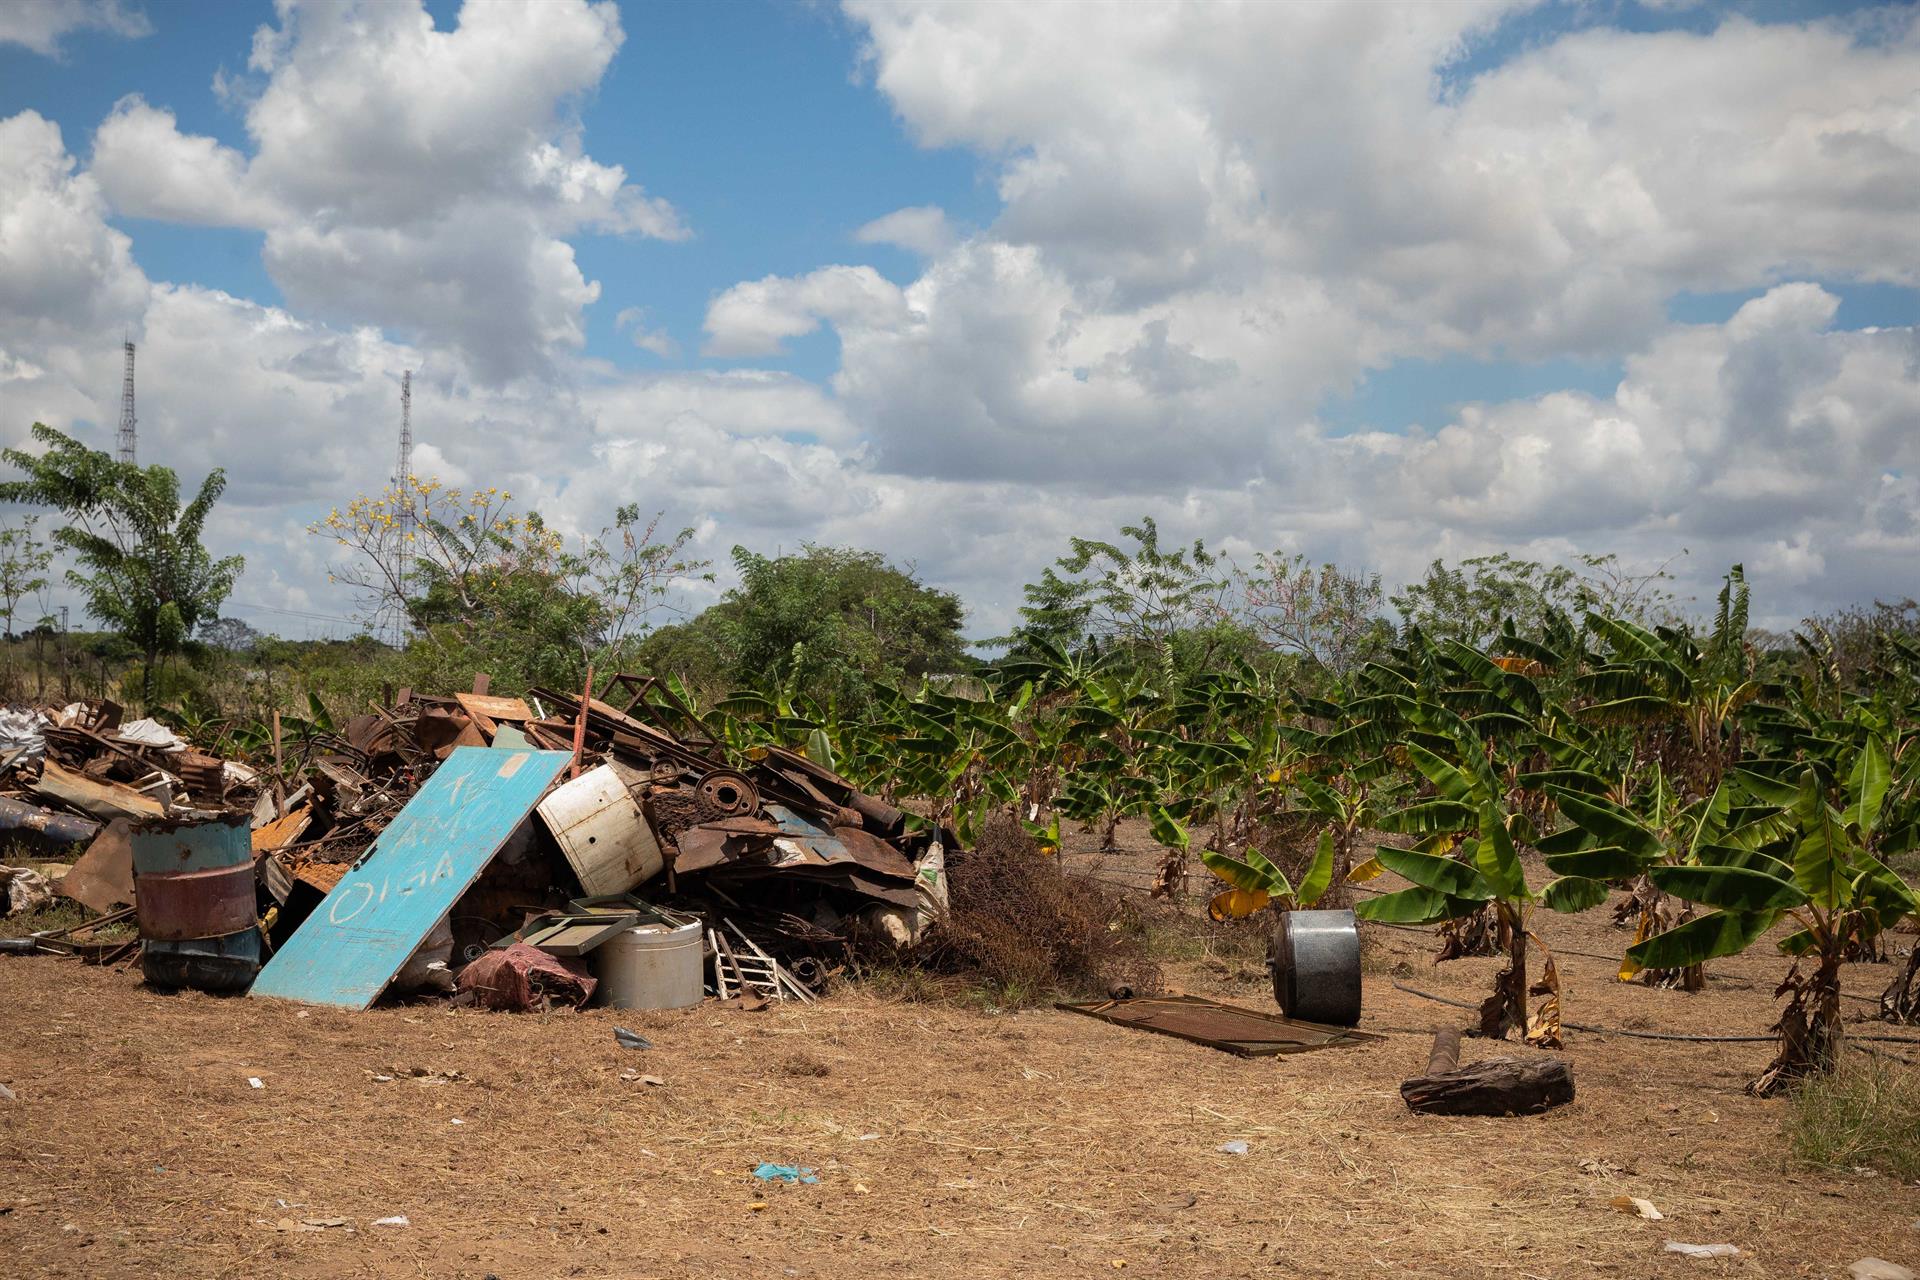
point(522, 979)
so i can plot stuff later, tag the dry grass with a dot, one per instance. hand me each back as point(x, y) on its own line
point(949, 1141)
point(1026, 932)
point(1866, 1115)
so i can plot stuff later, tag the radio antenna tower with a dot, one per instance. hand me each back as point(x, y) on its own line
point(404, 522)
point(127, 449)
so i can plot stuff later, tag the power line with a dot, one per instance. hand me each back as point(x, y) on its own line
point(295, 613)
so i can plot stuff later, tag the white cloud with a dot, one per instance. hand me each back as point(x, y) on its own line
point(921, 229)
point(633, 321)
point(41, 25)
point(1216, 216)
point(1213, 217)
point(413, 178)
point(61, 267)
point(149, 169)
point(758, 317)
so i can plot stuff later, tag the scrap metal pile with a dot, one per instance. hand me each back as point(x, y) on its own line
point(475, 843)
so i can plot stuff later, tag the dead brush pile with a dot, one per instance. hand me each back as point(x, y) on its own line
point(1028, 932)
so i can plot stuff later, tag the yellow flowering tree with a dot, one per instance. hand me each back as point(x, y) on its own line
point(482, 583)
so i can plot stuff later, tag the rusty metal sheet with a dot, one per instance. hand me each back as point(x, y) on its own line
point(322, 875)
point(1246, 1032)
point(873, 853)
point(103, 878)
point(282, 831)
point(179, 906)
point(104, 800)
point(480, 704)
point(703, 847)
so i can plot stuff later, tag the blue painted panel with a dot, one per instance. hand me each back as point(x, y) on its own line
point(348, 950)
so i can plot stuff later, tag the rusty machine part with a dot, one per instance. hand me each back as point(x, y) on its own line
point(673, 810)
point(727, 794)
point(1315, 958)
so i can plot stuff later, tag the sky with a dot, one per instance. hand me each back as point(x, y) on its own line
point(1372, 283)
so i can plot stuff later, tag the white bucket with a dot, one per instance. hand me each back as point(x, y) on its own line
point(651, 966)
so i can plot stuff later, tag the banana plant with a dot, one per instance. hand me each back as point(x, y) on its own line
point(1662, 677)
point(1605, 842)
point(1826, 882)
point(1257, 884)
point(1482, 873)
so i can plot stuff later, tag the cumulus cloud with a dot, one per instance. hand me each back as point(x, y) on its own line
point(149, 169)
point(41, 25)
point(1212, 218)
point(418, 179)
point(921, 229)
point(62, 267)
point(758, 317)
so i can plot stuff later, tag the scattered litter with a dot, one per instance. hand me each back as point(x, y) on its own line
point(1634, 1204)
point(1237, 1147)
point(784, 1173)
point(398, 1220)
point(630, 1040)
point(1879, 1269)
point(1602, 1168)
point(254, 1082)
point(8, 1095)
point(654, 1081)
point(860, 1189)
point(456, 1120)
point(1703, 1250)
point(757, 1205)
point(323, 1224)
point(874, 1137)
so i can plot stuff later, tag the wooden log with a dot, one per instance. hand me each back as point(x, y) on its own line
point(1446, 1053)
point(1491, 1087)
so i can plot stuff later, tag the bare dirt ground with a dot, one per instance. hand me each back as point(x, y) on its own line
point(947, 1141)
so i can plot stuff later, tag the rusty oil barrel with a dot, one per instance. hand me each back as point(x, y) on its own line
point(194, 900)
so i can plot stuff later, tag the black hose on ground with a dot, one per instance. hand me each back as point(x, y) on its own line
point(1648, 1035)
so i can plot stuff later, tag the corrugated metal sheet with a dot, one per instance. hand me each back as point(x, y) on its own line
point(355, 941)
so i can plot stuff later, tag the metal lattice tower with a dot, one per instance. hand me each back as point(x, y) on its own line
point(404, 521)
point(126, 443)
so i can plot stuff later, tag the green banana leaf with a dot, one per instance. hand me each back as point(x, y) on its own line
point(1442, 875)
point(1718, 933)
point(1609, 823)
point(1319, 873)
point(1596, 864)
point(1425, 819)
point(1413, 906)
point(1496, 858)
point(1572, 894)
point(1729, 888)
